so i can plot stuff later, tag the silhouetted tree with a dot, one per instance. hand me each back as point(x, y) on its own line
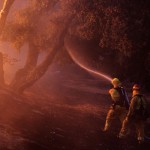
point(120, 29)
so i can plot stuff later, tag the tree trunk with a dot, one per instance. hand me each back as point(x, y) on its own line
point(31, 62)
point(1, 71)
point(4, 13)
point(40, 70)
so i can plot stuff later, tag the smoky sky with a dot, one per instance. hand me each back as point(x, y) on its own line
point(7, 48)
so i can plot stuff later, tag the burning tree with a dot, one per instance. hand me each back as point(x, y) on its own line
point(45, 24)
point(37, 25)
point(3, 16)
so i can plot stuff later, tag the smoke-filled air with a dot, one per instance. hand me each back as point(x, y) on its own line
point(60, 61)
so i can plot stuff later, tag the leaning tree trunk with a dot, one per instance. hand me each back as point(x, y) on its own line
point(3, 16)
point(40, 70)
point(4, 13)
point(31, 62)
point(1, 71)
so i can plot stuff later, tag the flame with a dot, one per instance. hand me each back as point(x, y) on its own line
point(87, 68)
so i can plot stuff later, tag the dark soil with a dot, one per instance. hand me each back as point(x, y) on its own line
point(63, 111)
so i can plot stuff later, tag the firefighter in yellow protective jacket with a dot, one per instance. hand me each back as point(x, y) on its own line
point(120, 104)
point(137, 115)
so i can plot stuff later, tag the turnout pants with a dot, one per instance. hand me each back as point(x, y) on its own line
point(117, 112)
point(138, 123)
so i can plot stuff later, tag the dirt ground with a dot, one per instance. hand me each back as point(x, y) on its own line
point(65, 110)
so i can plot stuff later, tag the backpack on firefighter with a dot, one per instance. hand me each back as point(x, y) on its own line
point(123, 100)
point(142, 111)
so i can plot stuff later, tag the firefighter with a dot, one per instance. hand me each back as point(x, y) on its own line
point(137, 115)
point(120, 104)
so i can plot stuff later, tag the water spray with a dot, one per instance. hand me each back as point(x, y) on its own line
point(87, 68)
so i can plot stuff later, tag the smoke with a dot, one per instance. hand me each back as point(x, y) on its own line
point(78, 59)
point(87, 68)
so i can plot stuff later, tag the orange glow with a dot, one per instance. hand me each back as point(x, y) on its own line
point(87, 68)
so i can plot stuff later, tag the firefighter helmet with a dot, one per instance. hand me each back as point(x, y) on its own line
point(136, 87)
point(116, 81)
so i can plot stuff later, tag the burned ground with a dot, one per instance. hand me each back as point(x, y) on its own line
point(65, 110)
